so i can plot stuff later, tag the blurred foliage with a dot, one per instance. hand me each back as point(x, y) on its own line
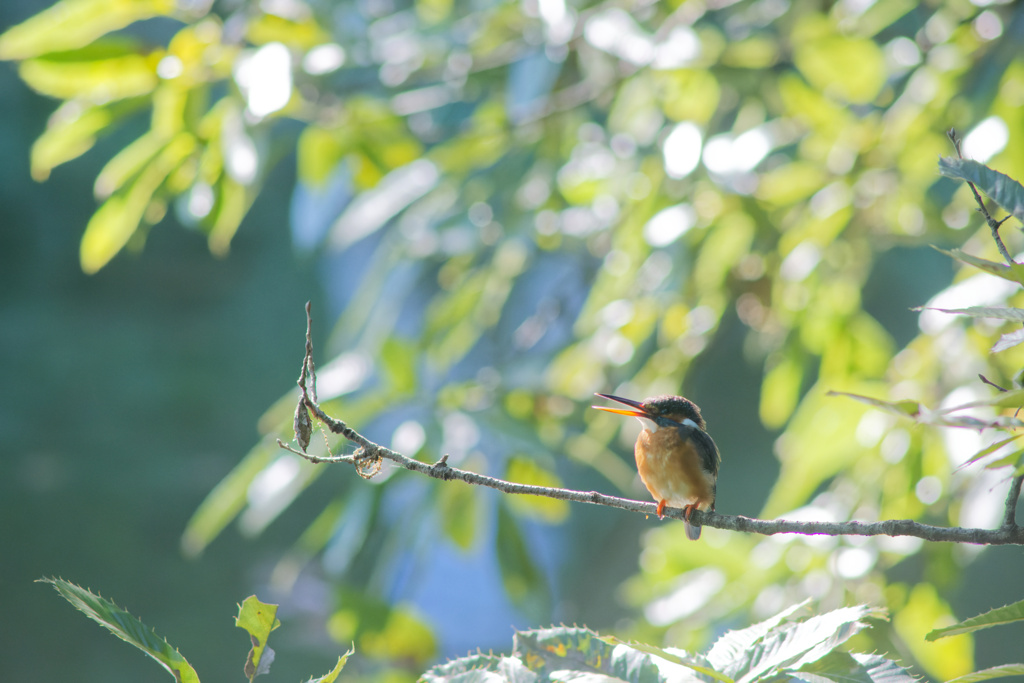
point(257, 618)
point(521, 203)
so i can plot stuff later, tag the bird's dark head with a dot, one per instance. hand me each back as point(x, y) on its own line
point(658, 409)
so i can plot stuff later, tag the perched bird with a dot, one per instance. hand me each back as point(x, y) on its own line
point(677, 459)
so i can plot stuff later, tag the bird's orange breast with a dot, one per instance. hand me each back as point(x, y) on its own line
point(670, 468)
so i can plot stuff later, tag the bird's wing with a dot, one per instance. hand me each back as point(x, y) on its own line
point(706, 448)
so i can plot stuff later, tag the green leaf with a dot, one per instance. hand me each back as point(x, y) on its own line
point(332, 675)
point(793, 645)
point(1008, 341)
point(780, 391)
point(729, 648)
point(523, 580)
point(126, 627)
point(119, 217)
point(227, 499)
point(72, 24)
point(258, 619)
point(1006, 191)
point(581, 650)
point(398, 358)
point(992, 448)
point(1013, 274)
point(906, 408)
point(1007, 614)
point(525, 470)
point(99, 80)
point(458, 505)
point(680, 657)
point(854, 668)
point(1001, 671)
point(126, 164)
point(1000, 312)
point(851, 67)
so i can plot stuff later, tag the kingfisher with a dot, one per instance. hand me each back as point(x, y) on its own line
point(676, 458)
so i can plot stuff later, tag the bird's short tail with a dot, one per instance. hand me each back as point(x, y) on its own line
point(692, 530)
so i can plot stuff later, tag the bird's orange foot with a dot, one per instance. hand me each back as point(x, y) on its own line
point(687, 511)
point(661, 508)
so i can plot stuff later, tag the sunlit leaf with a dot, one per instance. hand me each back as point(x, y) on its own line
point(403, 635)
point(923, 610)
point(119, 217)
point(1003, 189)
point(296, 32)
point(525, 470)
point(233, 202)
point(1006, 614)
point(780, 392)
point(1001, 671)
point(226, 500)
point(126, 164)
point(127, 628)
point(332, 675)
point(71, 24)
point(1013, 273)
point(258, 619)
point(96, 80)
point(458, 506)
point(1008, 341)
point(850, 67)
point(999, 312)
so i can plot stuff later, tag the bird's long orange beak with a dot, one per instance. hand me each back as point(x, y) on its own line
point(638, 410)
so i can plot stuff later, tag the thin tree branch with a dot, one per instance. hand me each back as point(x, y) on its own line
point(369, 457)
point(993, 224)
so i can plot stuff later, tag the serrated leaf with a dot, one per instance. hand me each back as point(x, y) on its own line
point(1013, 274)
point(582, 650)
point(1008, 341)
point(1000, 312)
point(1001, 671)
point(126, 627)
point(1006, 614)
point(332, 675)
point(1003, 189)
point(694, 662)
point(844, 667)
point(794, 645)
point(729, 648)
point(258, 619)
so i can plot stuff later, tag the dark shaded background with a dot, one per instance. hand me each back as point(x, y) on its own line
point(125, 398)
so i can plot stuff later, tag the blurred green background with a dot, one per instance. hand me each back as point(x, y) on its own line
point(125, 398)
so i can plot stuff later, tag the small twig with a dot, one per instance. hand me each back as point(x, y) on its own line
point(1010, 516)
point(989, 382)
point(993, 224)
